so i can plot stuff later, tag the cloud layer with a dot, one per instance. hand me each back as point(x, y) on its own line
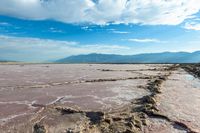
point(149, 12)
point(36, 50)
point(40, 50)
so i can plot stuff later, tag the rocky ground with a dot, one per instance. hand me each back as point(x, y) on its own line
point(99, 98)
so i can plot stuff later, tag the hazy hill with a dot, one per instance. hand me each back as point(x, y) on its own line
point(166, 57)
point(4, 61)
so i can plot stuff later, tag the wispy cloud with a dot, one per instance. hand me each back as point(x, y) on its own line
point(86, 28)
point(5, 24)
point(54, 30)
point(120, 32)
point(117, 31)
point(35, 49)
point(145, 40)
point(148, 12)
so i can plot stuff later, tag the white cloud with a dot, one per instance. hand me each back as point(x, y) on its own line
point(145, 40)
point(150, 12)
point(34, 49)
point(4, 24)
point(117, 31)
point(192, 26)
point(54, 30)
point(120, 32)
point(86, 28)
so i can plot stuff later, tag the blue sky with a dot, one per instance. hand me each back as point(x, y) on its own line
point(42, 30)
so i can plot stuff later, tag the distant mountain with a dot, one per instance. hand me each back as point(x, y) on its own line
point(166, 57)
point(1, 60)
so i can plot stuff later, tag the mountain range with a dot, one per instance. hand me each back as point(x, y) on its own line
point(165, 57)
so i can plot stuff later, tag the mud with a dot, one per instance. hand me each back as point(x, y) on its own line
point(58, 98)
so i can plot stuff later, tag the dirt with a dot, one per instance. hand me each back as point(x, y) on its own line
point(92, 98)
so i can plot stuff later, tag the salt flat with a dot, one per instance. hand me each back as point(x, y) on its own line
point(65, 97)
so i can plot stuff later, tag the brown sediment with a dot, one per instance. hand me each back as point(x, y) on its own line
point(107, 80)
point(77, 82)
point(64, 110)
point(153, 69)
point(183, 126)
point(39, 128)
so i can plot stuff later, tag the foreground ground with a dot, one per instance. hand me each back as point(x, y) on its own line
point(89, 98)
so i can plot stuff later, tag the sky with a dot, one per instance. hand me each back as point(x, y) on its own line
point(48, 30)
